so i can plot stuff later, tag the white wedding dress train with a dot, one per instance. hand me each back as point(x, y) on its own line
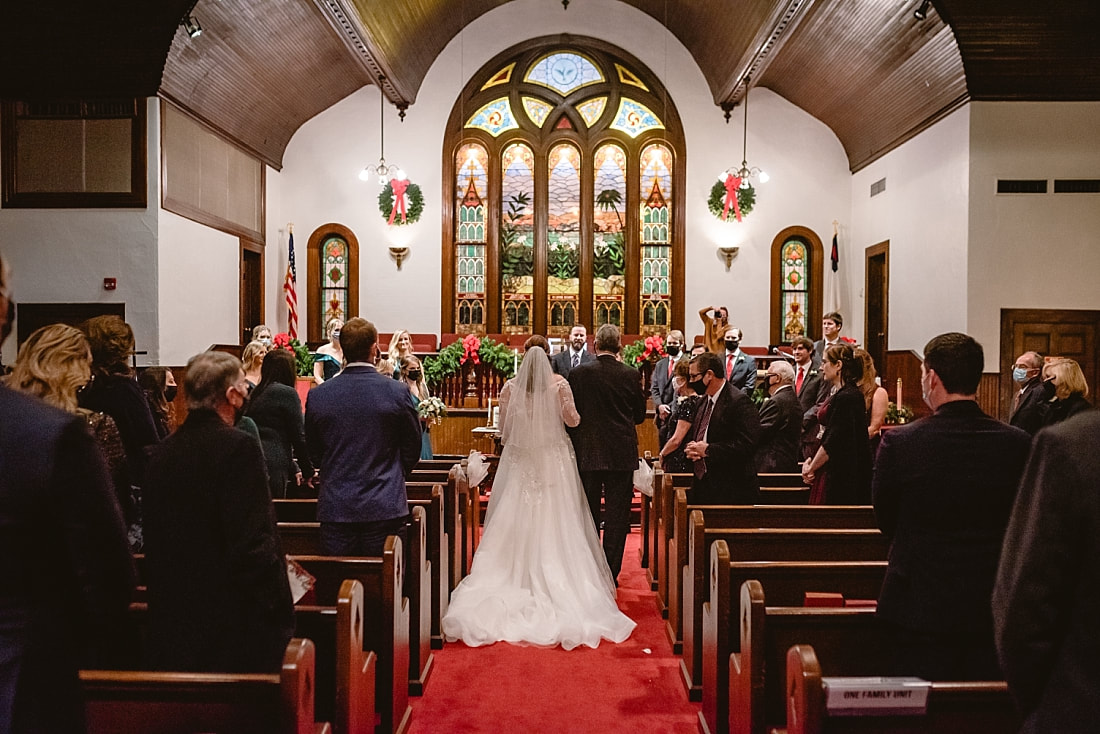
point(539, 576)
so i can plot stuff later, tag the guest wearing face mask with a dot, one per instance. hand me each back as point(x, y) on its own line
point(1068, 389)
point(660, 386)
point(1030, 404)
point(413, 375)
point(159, 385)
point(685, 405)
point(329, 359)
point(740, 367)
point(780, 422)
point(262, 334)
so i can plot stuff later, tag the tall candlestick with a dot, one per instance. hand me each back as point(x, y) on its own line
point(489, 416)
point(899, 392)
point(515, 360)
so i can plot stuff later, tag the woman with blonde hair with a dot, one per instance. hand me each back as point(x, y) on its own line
point(329, 358)
point(55, 364)
point(413, 375)
point(400, 347)
point(1070, 389)
point(252, 358)
point(875, 397)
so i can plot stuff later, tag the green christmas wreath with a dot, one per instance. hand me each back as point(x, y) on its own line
point(414, 204)
point(716, 202)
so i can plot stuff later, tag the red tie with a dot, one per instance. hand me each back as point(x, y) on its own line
point(729, 366)
point(798, 382)
point(671, 364)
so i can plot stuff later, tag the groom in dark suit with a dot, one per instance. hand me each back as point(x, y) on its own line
point(364, 434)
point(609, 398)
point(723, 438)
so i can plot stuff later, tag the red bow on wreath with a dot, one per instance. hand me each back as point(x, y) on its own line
point(733, 183)
point(470, 346)
point(654, 349)
point(399, 187)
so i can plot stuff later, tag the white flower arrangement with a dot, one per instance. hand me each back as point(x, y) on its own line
point(432, 408)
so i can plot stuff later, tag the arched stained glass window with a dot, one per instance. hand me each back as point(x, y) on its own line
point(332, 278)
point(471, 185)
point(334, 274)
point(571, 213)
point(656, 238)
point(796, 276)
point(517, 241)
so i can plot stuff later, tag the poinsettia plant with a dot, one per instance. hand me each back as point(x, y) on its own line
point(470, 346)
point(649, 349)
point(303, 360)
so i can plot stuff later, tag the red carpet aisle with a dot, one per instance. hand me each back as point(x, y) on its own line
point(614, 688)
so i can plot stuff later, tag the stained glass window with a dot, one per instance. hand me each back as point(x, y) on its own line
point(471, 187)
point(634, 118)
point(609, 240)
point(536, 109)
point(563, 238)
point(494, 118)
point(517, 240)
point(626, 76)
point(656, 239)
point(334, 279)
point(564, 72)
point(592, 110)
point(501, 77)
point(794, 288)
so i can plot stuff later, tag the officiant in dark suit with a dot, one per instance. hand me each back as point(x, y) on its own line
point(660, 384)
point(724, 438)
point(610, 400)
point(574, 355)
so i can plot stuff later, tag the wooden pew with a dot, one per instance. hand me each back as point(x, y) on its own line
point(737, 696)
point(301, 540)
point(385, 621)
point(953, 707)
point(346, 671)
point(439, 502)
point(182, 703)
point(688, 554)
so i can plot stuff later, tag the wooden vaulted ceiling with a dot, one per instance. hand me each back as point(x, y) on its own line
point(866, 68)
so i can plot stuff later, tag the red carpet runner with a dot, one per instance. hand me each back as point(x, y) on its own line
point(631, 687)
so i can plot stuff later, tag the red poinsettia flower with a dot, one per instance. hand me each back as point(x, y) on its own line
point(849, 340)
point(470, 346)
point(282, 341)
point(654, 348)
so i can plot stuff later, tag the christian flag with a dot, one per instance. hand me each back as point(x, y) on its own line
point(832, 287)
point(290, 287)
point(835, 256)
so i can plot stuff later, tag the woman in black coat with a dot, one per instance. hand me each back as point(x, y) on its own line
point(844, 455)
point(1070, 390)
point(275, 407)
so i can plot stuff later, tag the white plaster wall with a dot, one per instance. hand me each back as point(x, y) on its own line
point(923, 214)
point(1031, 251)
point(63, 255)
point(199, 288)
point(318, 183)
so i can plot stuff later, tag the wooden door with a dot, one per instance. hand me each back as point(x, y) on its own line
point(252, 289)
point(1051, 333)
point(876, 321)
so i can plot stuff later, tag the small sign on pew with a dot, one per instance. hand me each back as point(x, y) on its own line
point(876, 696)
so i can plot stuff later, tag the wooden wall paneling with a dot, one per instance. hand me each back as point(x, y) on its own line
point(905, 363)
point(989, 395)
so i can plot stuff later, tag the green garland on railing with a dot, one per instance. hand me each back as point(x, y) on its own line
point(447, 362)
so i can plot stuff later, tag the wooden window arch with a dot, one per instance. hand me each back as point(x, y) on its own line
point(315, 280)
point(575, 245)
point(811, 304)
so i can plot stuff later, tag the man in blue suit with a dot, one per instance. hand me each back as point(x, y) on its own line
point(68, 572)
point(363, 432)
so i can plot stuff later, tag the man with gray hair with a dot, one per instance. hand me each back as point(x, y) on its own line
point(610, 400)
point(219, 599)
point(780, 422)
point(1031, 404)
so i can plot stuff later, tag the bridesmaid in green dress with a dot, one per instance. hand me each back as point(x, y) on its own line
point(413, 375)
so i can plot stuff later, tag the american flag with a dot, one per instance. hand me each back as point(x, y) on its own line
point(289, 286)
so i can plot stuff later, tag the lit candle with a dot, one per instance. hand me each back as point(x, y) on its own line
point(515, 360)
point(489, 416)
point(899, 392)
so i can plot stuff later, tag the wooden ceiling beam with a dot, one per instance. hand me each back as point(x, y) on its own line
point(349, 26)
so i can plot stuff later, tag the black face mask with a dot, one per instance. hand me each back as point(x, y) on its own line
point(672, 350)
point(170, 393)
point(414, 375)
point(731, 345)
point(698, 386)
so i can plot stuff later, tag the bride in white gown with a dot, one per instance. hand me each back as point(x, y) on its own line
point(539, 576)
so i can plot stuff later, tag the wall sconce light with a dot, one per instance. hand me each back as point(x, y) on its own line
point(728, 253)
point(399, 254)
